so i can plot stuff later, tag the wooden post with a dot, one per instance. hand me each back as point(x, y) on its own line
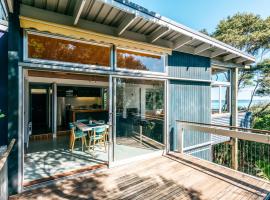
point(234, 115)
point(180, 132)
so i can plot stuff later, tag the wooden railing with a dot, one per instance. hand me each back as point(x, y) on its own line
point(247, 150)
point(3, 171)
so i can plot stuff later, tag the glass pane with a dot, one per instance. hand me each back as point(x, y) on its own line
point(222, 75)
point(139, 117)
point(215, 99)
point(47, 48)
point(139, 61)
point(220, 97)
point(225, 99)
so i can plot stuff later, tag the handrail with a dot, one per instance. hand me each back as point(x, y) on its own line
point(224, 126)
point(4, 157)
point(206, 128)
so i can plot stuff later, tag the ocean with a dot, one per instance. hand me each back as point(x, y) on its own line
point(241, 103)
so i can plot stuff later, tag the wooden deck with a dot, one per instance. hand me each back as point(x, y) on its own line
point(166, 177)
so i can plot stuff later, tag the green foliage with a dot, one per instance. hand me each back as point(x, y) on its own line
point(262, 122)
point(245, 31)
point(263, 168)
point(249, 33)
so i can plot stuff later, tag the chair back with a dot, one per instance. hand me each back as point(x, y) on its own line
point(100, 130)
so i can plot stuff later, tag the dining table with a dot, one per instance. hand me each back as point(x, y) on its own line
point(89, 127)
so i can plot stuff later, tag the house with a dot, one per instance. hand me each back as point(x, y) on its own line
point(69, 66)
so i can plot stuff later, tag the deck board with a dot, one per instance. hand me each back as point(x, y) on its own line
point(168, 177)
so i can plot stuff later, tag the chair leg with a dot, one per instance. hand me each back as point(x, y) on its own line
point(73, 143)
point(104, 141)
point(94, 144)
point(82, 142)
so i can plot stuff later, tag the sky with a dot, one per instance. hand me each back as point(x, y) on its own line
point(200, 14)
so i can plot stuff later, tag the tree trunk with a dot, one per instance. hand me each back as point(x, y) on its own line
point(252, 96)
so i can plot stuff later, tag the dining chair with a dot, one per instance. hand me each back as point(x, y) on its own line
point(76, 134)
point(97, 136)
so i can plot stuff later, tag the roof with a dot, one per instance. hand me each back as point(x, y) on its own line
point(124, 19)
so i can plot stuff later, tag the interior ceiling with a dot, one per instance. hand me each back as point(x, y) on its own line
point(117, 22)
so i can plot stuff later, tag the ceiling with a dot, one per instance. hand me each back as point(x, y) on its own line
point(121, 18)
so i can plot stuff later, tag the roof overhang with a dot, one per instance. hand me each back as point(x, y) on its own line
point(122, 19)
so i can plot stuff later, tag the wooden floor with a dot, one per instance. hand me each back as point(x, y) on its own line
point(167, 177)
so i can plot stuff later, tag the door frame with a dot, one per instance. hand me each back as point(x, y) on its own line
point(112, 134)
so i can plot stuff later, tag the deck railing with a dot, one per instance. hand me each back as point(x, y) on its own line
point(3, 171)
point(245, 150)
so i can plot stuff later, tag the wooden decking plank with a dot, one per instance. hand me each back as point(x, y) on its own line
point(156, 178)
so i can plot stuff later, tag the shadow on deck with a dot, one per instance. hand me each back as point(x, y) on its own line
point(167, 177)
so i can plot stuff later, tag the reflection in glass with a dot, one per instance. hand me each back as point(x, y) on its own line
point(221, 75)
point(41, 47)
point(139, 117)
point(220, 97)
point(139, 61)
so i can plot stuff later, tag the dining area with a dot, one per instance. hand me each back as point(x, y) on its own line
point(91, 133)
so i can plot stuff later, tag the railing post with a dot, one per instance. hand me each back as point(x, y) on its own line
point(180, 132)
point(234, 114)
point(235, 153)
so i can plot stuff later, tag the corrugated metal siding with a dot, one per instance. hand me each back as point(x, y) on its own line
point(190, 101)
point(183, 65)
point(203, 153)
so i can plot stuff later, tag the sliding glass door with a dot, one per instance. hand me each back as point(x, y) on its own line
point(139, 117)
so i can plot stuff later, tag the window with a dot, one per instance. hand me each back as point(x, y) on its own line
point(140, 61)
point(220, 99)
point(54, 49)
point(220, 92)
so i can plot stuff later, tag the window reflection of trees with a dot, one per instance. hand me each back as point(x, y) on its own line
point(133, 60)
point(41, 47)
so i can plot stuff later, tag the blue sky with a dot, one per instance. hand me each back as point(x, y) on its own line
point(199, 14)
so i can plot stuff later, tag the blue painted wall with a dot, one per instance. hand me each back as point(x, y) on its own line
point(3, 86)
point(189, 100)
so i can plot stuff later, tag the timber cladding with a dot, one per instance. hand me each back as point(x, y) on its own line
point(190, 101)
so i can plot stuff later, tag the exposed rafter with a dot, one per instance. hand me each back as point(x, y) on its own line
point(125, 23)
point(218, 53)
point(240, 60)
point(202, 48)
point(158, 34)
point(230, 57)
point(106, 30)
point(78, 10)
point(181, 41)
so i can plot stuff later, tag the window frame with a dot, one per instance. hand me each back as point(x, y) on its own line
point(26, 57)
point(165, 61)
point(220, 85)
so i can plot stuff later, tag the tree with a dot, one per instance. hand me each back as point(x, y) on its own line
point(249, 33)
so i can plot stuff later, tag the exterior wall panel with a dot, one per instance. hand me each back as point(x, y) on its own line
point(189, 101)
point(182, 65)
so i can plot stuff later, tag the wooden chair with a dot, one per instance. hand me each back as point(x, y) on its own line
point(97, 136)
point(76, 134)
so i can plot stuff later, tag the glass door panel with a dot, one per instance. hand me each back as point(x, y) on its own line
point(139, 117)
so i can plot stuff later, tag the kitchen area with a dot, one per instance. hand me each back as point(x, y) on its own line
point(81, 104)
